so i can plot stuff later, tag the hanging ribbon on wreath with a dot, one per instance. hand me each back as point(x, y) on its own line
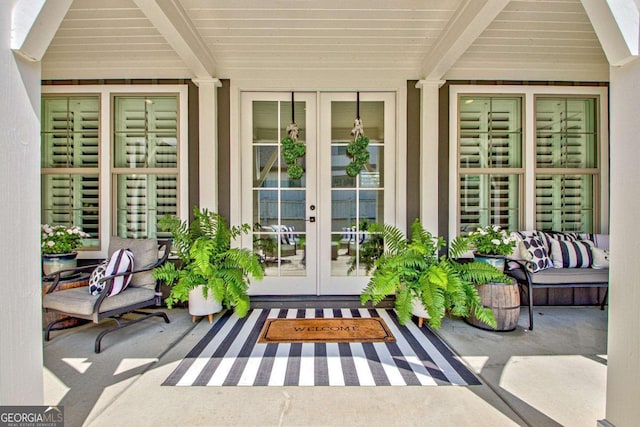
point(292, 150)
point(357, 149)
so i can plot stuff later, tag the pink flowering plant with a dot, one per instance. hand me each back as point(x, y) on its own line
point(61, 239)
point(491, 240)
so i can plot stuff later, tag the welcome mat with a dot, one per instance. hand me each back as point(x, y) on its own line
point(230, 355)
point(359, 329)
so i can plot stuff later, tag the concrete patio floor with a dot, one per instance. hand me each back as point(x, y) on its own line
point(554, 375)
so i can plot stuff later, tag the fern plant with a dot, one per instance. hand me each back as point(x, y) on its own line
point(207, 258)
point(412, 269)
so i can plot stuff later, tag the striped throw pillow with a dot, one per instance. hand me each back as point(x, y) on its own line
point(571, 254)
point(121, 262)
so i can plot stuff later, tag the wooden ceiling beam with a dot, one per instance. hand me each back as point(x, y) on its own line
point(172, 21)
point(617, 25)
point(469, 21)
point(34, 23)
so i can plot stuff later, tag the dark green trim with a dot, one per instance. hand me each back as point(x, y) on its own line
point(413, 152)
point(224, 149)
point(194, 147)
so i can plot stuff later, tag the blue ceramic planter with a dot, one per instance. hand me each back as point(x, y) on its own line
point(497, 261)
point(56, 262)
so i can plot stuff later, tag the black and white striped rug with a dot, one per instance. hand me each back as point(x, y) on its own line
point(229, 355)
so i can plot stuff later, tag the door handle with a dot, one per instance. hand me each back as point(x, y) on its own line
point(312, 219)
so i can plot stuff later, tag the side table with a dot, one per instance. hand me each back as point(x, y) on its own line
point(77, 281)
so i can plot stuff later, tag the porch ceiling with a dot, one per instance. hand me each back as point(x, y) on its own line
point(517, 39)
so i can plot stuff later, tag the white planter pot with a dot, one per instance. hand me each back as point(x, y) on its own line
point(201, 306)
point(419, 311)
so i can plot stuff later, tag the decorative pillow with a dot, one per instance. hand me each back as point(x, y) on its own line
point(570, 254)
point(95, 286)
point(121, 262)
point(538, 257)
point(600, 258)
point(547, 236)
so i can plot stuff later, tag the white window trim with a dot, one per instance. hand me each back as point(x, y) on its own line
point(106, 201)
point(528, 121)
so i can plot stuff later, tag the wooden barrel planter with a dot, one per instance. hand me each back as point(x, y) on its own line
point(504, 300)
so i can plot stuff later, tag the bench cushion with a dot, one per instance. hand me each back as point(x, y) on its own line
point(565, 276)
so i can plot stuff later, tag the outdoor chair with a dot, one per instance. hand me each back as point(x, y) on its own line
point(142, 292)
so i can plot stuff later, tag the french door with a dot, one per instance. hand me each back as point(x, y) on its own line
point(314, 234)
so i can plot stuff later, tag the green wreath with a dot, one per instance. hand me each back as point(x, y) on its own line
point(292, 151)
point(357, 150)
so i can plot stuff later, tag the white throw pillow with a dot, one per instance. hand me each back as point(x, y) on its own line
point(600, 258)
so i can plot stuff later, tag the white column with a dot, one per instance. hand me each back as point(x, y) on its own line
point(429, 102)
point(21, 373)
point(623, 372)
point(208, 135)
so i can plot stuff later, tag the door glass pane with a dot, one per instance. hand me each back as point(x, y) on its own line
point(343, 209)
point(373, 176)
point(354, 205)
point(286, 180)
point(265, 166)
point(339, 162)
point(265, 207)
point(371, 207)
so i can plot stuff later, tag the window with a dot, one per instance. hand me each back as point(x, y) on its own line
point(490, 162)
point(113, 158)
point(529, 157)
point(145, 163)
point(566, 163)
point(70, 163)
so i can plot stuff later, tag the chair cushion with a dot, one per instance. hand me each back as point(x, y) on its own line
point(562, 276)
point(77, 301)
point(145, 253)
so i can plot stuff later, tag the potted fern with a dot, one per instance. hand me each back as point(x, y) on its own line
point(209, 266)
point(413, 270)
